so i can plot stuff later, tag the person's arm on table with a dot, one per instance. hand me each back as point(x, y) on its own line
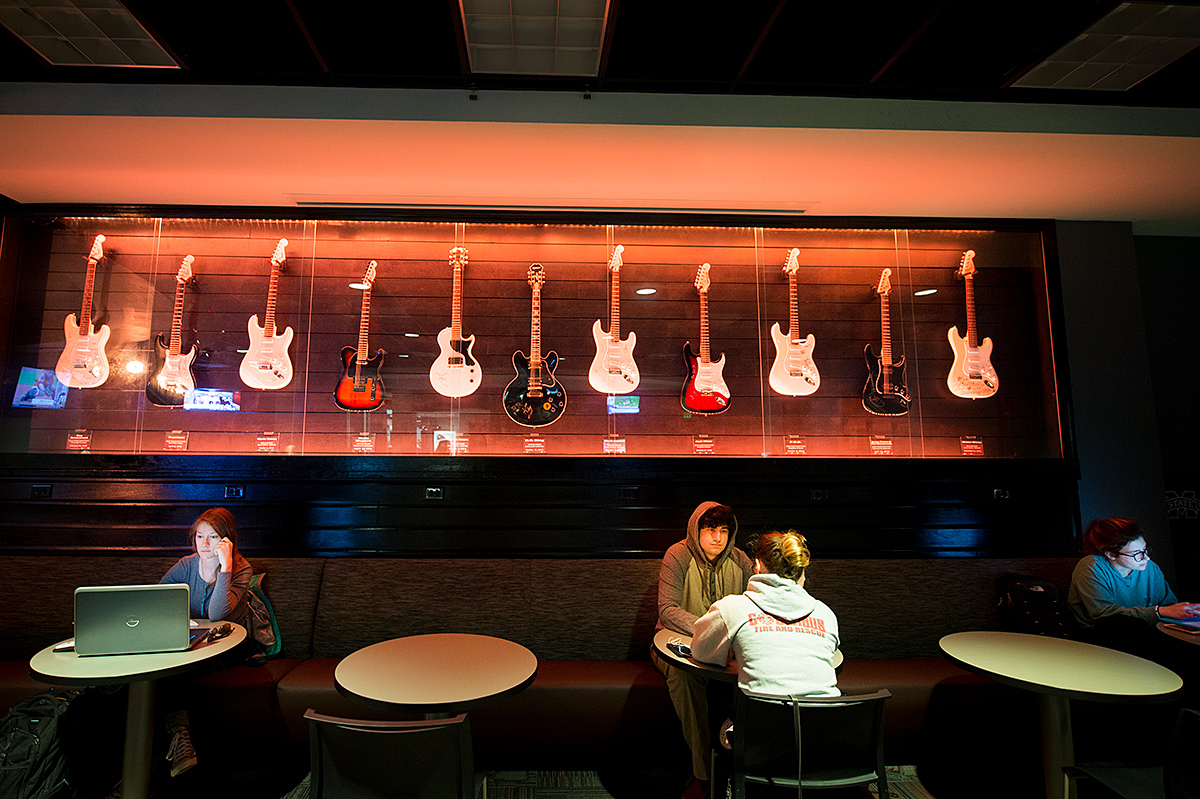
point(711, 639)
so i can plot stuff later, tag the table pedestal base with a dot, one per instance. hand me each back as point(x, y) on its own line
point(139, 740)
point(1058, 748)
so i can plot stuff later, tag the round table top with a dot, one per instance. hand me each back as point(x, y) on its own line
point(68, 668)
point(1061, 667)
point(1192, 637)
point(436, 672)
point(724, 673)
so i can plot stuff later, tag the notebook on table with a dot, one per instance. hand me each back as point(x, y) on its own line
point(133, 619)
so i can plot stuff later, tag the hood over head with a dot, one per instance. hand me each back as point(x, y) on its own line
point(693, 533)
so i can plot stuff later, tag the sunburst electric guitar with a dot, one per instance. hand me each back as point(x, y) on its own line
point(972, 375)
point(456, 373)
point(793, 374)
point(704, 391)
point(267, 365)
point(613, 370)
point(535, 398)
point(83, 363)
point(886, 391)
point(361, 388)
point(172, 376)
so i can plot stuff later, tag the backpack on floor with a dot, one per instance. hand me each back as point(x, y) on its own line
point(33, 763)
point(1033, 605)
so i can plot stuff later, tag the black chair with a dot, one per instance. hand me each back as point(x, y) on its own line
point(1176, 778)
point(808, 742)
point(362, 759)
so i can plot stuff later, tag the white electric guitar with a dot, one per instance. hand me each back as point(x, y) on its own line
point(972, 375)
point(613, 370)
point(83, 363)
point(267, 365)
point(793, 374)
point(456, 373)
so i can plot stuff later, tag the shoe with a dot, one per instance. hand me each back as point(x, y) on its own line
point(181, 753)
point(696, 789)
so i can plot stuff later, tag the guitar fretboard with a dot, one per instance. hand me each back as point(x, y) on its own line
point(269, 323)
point(89, 283)
point(793, 309)
point(535, 345)
point(364, 323)
point(177, 319)
point(972, 333)
point(704, 356)
point(885, 350)
point(614, 308)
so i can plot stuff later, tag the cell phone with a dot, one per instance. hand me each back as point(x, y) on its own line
point(682, 650)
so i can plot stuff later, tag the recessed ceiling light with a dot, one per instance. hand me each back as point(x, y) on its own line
point(924, 292)
point(359, 286)
point(647, 291)
point(412, 335)
point(84, 33)
point(534, 37)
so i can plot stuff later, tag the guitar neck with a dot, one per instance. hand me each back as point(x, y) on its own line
point(535, 340)
point(177, 320)
point(364, 322)
point(85, 313)
point(885, 350)
point(269, 322)
point(614, 308)
point(972, 333)
point(704, 351)
point(793, 308)
point(456, 305)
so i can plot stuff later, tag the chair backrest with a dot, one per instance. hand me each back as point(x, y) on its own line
point(362, 759)
point(1179, 774)
point(840, 741)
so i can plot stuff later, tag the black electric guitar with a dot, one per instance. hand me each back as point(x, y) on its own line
point(172, 377)
point(535, 398)
point(361, 388)
point(886, 392)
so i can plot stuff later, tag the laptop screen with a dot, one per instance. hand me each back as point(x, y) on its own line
point(131, 619)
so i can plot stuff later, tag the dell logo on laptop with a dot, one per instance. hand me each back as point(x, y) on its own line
point(132, 621)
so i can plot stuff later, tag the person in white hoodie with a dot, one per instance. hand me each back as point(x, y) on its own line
point(783, 638)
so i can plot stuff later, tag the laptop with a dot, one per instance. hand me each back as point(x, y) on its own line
point(133, 619)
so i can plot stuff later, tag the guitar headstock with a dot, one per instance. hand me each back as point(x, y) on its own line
point(702, 282)
point(185, 270)
point(614, 263)
point(369, 275)
point(536, 276)
point(793, 262)
point(458, 256)
point(97, 251)
point(280, 256)
point(966, 266)
point(885, 287)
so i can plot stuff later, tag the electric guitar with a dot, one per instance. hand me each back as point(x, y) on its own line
point(267, 365)
point(704, 391)
point(793, 374)
point(172, 375)
point(456, 373)
point(613, 370)
point(83, 363)
point(535, 398)
point(972, 375)
point(361, 388)
point(886, 391)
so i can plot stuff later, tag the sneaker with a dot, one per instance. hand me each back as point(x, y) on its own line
point(180, 752)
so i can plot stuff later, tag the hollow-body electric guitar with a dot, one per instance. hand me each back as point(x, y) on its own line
point(267, 365)
point(83, 363)
point(793, 374)
point(704, 390)
point(886, 391)
point(613, 370)
point(361, 388)
point(456, 373)
point(535, 398)
point(972, 375)
point(172, 376)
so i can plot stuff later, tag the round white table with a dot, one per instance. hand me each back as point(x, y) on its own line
point(436, 673)
point(1059, 670)
point(140, 672)
point(727, 673)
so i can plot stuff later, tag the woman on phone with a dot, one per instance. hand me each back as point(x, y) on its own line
point(216, 572)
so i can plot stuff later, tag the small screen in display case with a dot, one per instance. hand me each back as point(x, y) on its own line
point(39, 388)
point(210, 399)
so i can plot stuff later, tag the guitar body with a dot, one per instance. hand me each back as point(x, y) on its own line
point(793, 374)
point(172, 375)
point(360, 388)
point(267, 365)
point(972, 375)
point(704, 391)
point(455, 373)
point(83, 363)
point(534, 411)
point(613, 370)
point(894, 401)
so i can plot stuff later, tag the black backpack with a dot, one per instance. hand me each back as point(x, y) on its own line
point(33, 764)
point(1033, 605)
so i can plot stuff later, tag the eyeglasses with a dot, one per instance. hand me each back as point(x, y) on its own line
point(1138, 556)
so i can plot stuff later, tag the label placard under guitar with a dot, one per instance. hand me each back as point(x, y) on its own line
point(703, 445)
point(971, 445)
point(267, 442)
point(881, 445)
point(79, 440)
point(364, 444)
point(461, 446)
point(175, 441)
point(614, 446)
point(795, 445)
point(535, 446)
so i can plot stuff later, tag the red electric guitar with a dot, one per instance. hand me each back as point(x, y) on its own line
point(361, 388)
point(83, 363)
point(704, 391)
